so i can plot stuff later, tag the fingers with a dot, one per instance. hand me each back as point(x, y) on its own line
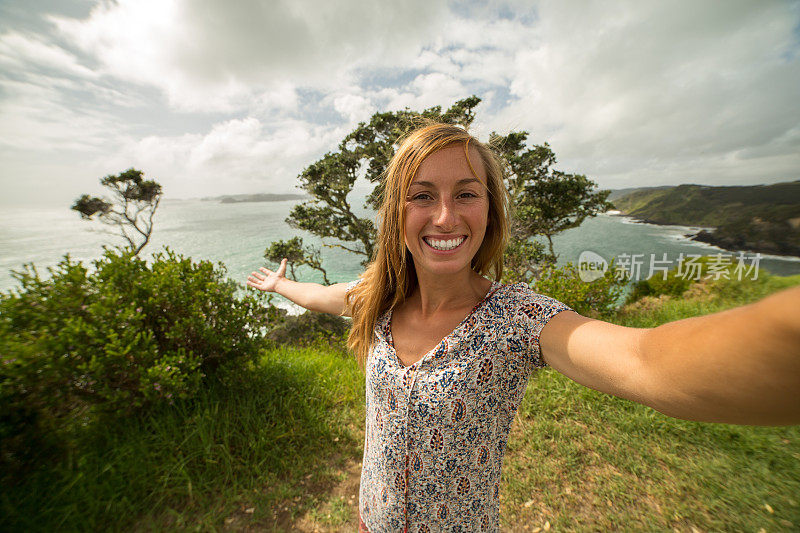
point(257, 280)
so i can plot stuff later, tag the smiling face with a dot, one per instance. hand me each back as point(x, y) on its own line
point(446, 211)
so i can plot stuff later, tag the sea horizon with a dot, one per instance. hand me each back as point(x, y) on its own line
point(236, 234)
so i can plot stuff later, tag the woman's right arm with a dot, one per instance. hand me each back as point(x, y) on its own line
point(740, 366)
point(312, 296)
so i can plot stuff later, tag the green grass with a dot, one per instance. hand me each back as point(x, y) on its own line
point(280, 446)
point(271, 442)
point(710, 298)
point(583, 460)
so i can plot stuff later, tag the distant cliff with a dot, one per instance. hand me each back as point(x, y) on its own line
point(265, 197)
point(758, 218)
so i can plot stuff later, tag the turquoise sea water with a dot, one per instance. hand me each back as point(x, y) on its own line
point(237, 234)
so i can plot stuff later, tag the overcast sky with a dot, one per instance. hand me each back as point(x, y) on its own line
point(236, 96)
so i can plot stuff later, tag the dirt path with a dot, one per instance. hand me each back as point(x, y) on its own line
point(340, 511)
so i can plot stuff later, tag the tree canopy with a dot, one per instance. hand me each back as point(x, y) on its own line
point(296, 255)
point(130, 210)
point(544, 201)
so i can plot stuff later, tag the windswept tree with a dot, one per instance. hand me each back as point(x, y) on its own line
point(544, 201)
point(364, 152)
point(296, 255)
point(130, 209)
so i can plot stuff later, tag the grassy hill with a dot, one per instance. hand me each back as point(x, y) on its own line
point(281, 451)
point(761, 218)
point(619, 193)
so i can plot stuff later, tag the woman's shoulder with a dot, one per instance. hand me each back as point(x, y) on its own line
point(352, 285)
point(516, 291)
point(520, 296)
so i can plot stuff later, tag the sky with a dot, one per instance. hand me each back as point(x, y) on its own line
point(214, 97)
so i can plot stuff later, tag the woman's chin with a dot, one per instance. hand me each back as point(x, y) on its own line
point(444, 268)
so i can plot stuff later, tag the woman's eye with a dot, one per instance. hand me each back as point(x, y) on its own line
point(467, 194)
point(421, 196)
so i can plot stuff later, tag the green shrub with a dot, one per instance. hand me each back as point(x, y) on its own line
point(596, 299)
point(119, 338)
point(722, 269)
point(673, 285)
point(309, 329)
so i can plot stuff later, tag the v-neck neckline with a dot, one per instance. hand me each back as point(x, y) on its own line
point(493, 288)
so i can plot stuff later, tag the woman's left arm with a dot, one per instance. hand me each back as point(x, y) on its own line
point(740, 366)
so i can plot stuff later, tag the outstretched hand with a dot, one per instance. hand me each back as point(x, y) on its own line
point(269, 279)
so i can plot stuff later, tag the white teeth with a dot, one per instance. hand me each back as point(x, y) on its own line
point(445, 245)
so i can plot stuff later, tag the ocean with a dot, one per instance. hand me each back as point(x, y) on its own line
point(236, 234)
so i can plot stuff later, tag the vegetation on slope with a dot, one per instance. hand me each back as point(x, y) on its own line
point(255, 453)
point(761, 218)
point(277, 447)
point(585, 461)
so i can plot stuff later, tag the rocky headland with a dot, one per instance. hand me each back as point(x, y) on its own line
point(758, 218)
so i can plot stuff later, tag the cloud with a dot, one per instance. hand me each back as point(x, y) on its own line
point(38, 117)
point(281, 99)
point(51, 100)
point(353, 106)
point(669, 91)
point(212, 96)
point(212, 55)
point(30, 53)
point(234, 156)
point(424, 91)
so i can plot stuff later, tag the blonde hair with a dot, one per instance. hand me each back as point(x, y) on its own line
point(390, 278)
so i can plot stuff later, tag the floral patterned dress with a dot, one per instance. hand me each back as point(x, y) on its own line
point(437, 430)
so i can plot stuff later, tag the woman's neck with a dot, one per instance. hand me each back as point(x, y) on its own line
point(441, 293)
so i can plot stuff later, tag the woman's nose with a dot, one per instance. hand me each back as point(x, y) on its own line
point(445, 217)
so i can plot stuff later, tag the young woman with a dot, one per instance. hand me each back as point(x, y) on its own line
point(448, 352)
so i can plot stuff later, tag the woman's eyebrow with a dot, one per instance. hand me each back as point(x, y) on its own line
point(459, 182)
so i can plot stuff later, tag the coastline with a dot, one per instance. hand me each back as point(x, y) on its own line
point(706, 237)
